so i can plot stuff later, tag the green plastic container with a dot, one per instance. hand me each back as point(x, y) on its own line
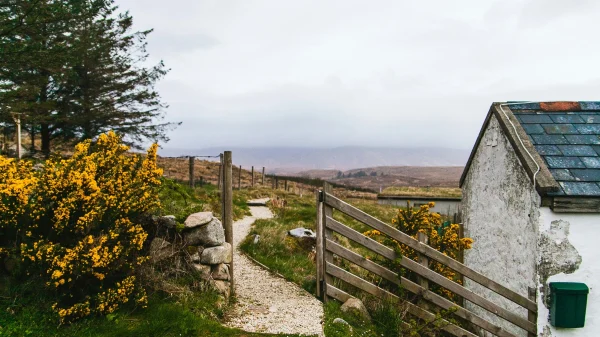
point(568, 301)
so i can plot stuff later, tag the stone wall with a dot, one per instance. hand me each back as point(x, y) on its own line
point(198, 247)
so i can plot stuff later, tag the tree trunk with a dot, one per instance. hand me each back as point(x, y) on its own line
point(45, 133)
point(32, 135)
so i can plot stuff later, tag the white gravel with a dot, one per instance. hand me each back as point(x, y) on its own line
point(267, 303)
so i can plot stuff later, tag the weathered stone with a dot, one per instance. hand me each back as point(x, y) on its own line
point(198, 219)
point(203, 270)
point(256, 239)
point(355, 307)
point(217, 255)
point(220, 272)
point(306, 238)
point(209, 235)
point(223, 287)
point(195, 257)
point(340, 321)
point(160, 249)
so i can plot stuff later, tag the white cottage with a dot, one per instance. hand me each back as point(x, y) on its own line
point(531, 202)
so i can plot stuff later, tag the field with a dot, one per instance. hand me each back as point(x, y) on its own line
point(448, 192)
point(376, 178)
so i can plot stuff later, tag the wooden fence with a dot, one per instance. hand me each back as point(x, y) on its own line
point(327, 271)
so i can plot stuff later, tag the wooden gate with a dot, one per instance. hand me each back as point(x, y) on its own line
point(327, 271)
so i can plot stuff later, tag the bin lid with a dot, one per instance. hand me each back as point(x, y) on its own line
point(569, 287)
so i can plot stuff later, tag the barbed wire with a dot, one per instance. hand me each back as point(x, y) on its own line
point(185, 157)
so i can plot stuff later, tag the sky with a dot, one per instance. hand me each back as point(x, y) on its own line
point(362, 73)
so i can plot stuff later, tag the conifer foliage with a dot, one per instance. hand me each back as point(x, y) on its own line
point(76, 69)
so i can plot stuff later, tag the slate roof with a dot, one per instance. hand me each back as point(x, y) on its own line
point(567, 136)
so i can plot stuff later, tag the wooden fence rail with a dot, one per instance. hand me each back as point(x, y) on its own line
point(327, 270)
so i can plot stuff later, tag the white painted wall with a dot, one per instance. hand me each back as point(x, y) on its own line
point(500, 211)
point(446, 207)
point(584, 235)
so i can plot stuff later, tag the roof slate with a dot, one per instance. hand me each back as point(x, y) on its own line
point(567, 136)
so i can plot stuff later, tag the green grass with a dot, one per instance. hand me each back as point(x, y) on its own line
point(25, 311)
point(278, 251)
point(448, 192)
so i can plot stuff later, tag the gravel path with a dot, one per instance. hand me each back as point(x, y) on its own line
point(267, 303)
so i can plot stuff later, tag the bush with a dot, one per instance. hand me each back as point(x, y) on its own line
point(76, 223)
point(443, 236)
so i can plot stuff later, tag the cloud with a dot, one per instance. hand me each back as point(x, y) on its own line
point(334, 73)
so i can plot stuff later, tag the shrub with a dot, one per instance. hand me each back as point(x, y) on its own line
point(76, 223)
point(443, 236)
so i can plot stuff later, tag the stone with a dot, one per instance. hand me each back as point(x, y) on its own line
point(217, 255)
point(195, 257)
point(209, 235)
point(340, 321)
point(198, 219)
point(223, 287)
point(256, 239)
point(203, 270)
point(160, 249)
point(307, 239)
point(355, 307)
point(258, 202)
point(302, 232)
point(220, 272)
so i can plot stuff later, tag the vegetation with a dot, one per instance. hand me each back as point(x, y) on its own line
point(448, 192)
point(76, 220)
point(74, 69)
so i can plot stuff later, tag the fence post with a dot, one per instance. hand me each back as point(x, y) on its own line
point(227, 196)
point(192, 160)
point(423, 260)
point(319, 256)
point(276, 183)
point(240, 178)
point(220, 180)
point(252, 176)
point(263, 176)
point(201, 181)
point(327, 234)
point(285, 187)
point(532, 316)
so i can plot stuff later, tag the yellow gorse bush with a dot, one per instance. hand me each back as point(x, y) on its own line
point(78, 223)
point(443, 236)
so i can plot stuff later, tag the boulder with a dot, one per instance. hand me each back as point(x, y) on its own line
point(195, 257)
point(307, 239)
point(198, 219)
point(256, 239)
point(220, 272)
point(217, 255)
point(210, 234)
point(340, 321)
point(223, 287)
point(355, 307)
point(160, 249)
point(258, 202)
point(203, 270)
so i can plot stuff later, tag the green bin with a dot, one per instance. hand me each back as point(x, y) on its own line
point(567, 304)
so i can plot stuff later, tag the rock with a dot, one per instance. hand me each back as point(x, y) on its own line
point(307, 239)
point(203, 270)
point(217, 255)
point(258, 202)
point(209, 235)
point(340, 321)
point(256, 239)
point(302, 232)
point(223, 288)
point(220, 272)
point(355, 307)
point(195, 257)
point(198, 219)
point(11, 264)
point(167, 221)
point(160, 249)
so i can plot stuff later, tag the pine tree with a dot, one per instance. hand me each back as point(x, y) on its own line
point(107, 87)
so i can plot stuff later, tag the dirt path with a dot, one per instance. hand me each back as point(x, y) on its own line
point(267, 303)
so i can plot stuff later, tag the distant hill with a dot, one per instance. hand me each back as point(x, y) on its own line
point(286, 160)
point(376, 178)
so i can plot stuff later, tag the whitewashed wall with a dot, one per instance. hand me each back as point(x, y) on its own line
point(500, 211)
point(447, 207)
point(567, 231)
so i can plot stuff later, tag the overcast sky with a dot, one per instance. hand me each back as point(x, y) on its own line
point(373, 73)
